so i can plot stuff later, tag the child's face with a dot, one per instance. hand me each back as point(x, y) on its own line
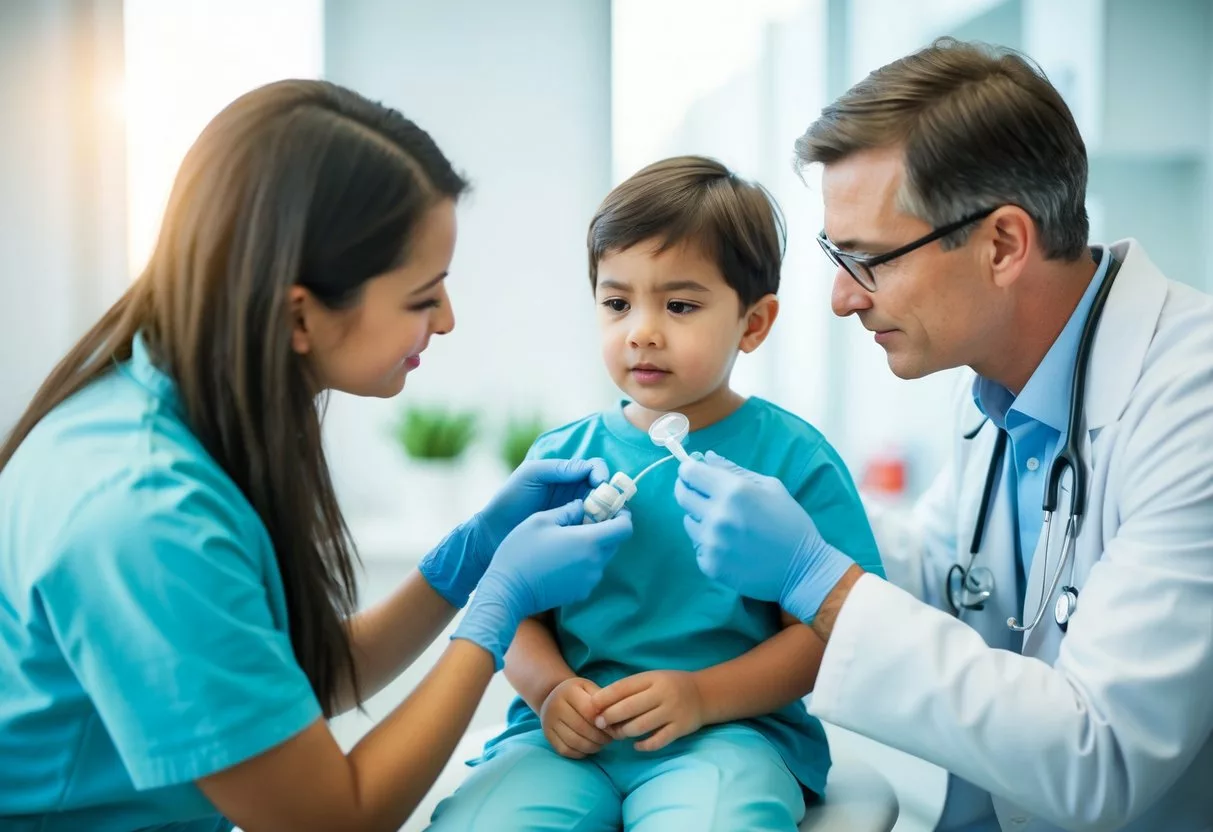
point(671, 326)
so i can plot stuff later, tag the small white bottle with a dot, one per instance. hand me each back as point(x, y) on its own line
point(605, 501)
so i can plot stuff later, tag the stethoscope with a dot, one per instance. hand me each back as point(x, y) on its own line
point(969, 587)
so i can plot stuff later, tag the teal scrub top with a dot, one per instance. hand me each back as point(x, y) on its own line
point(655, 609)
point(143, 626)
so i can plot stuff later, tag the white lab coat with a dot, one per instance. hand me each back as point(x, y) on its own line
point(1110, 725)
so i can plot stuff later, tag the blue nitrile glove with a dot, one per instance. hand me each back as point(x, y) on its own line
point(751, 534)
point(456, 565)
point(550, 559)
point(538, 485)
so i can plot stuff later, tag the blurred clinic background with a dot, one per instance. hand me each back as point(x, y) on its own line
point(545, 104)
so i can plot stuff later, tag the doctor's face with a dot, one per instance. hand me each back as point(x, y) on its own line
point(930, 306)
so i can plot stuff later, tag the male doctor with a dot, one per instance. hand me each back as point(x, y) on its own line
point(954, 185)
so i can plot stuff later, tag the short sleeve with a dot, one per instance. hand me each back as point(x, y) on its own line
point(827, 493)
point(544, 447)
point(160, 601)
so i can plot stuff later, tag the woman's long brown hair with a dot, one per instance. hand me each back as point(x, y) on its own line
point(296, 183)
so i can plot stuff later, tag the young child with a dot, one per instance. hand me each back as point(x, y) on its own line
point(666, 701)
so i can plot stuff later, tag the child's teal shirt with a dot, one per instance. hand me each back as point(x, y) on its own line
point(654, 609)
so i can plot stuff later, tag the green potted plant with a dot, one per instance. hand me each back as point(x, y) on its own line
point(520, 435)
point(435, 440)
point(436, 433)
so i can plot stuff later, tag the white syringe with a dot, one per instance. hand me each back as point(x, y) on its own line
point(605, 501)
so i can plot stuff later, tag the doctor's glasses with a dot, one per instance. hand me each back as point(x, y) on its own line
point(859, 266)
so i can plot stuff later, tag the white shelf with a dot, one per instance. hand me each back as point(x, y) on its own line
point(394, 541)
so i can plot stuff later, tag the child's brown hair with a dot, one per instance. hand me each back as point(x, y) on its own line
point(694, 199)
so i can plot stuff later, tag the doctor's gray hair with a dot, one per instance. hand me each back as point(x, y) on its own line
point(979, 126)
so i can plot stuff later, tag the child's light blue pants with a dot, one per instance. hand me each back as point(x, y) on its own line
point(722, 779)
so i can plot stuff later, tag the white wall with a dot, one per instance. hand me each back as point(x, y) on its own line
point(738, 84)
point(185, 61)
point(1208, 158)
point(101, 99)
point(62, 252)
point(872, 412)
point(518, 96)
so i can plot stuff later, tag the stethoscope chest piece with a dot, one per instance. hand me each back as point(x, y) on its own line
point(1067, 604)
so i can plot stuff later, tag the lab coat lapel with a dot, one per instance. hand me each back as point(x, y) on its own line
point(1125, 331)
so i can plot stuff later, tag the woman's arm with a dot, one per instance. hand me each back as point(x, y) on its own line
point(388, 637)
point(385, 775)
point(306, 783)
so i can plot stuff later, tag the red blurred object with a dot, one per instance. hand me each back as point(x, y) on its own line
point(885, 474)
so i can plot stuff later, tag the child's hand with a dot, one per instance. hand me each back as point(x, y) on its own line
point(665, 704)
point(567, 717)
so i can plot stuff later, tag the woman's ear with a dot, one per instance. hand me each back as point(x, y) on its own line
point(758, 322)
point(299, 302)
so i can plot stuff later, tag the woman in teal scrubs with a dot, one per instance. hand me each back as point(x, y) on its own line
point(176, 580)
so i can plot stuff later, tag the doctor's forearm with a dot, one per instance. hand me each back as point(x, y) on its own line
point(823, 622)
point(775, 673)
point(388, 637)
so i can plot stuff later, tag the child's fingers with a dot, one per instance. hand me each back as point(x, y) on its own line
point(629, 708)
point(586, 686)
point(558, 745)
point(587, 730)
point(582, 718)
point(659, 740)
point(608, 696)
point(644, 724)
point(566, 716)
point(574, 741)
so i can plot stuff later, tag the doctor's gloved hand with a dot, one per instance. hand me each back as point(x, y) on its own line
point(750, 534)
point(457, 564)
point(550, 559)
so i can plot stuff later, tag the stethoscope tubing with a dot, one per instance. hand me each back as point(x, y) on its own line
point(1070, 456)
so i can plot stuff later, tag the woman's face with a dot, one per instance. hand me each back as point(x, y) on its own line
point(370, 348)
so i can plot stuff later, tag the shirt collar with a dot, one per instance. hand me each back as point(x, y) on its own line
point(1039, 400)
point(142, 369)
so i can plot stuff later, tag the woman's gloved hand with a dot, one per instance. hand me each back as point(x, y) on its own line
point(538, 485)
point(550, 559)
point(750, 534)
point(456, 565)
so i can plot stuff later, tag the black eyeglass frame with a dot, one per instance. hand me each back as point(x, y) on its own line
point(860, 266)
